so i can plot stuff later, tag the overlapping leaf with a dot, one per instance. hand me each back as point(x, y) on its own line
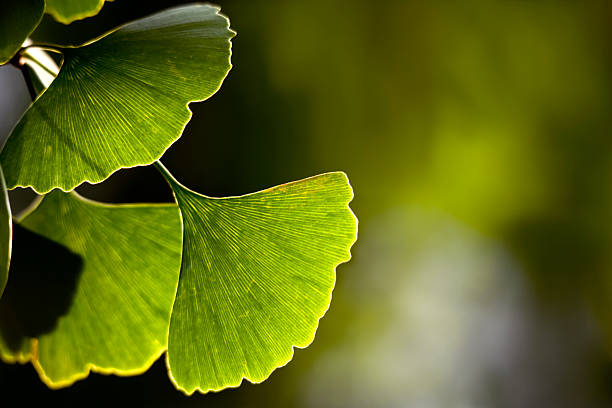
point(6, 229)
point(17, 21)
point(257, 270)
point(256, 276)
point(67, 11)
point(119, 101)
point(102, 299)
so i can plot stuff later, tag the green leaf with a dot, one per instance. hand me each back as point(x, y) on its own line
point(6, 228)
point(67, 11)
point(17, 21)
point(256, 276)
point(119, 101)
point(112, 305)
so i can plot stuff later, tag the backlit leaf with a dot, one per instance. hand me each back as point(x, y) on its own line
point(67, 11)
point(256, 276)
point(103, 292)
point(119, 101)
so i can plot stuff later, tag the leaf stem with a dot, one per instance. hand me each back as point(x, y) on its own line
point(27, 76)
point(40, 64)
point(167, 175)
point(17, 62)
point(44, 47)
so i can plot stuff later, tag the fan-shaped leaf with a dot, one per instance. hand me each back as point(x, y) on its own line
point(17, 21)
point(106, 306)
point(256, 276)
point(67, 11)
point(119, 101)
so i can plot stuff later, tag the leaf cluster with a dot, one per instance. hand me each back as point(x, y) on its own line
point(226, 287)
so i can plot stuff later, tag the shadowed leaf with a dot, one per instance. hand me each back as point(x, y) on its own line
point(119, 101)
point(256, 276)
point(6, 228)
point(118, 315)
point(17, 21)
point(44, 276)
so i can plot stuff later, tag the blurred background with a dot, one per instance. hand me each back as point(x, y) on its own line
point(477, 138)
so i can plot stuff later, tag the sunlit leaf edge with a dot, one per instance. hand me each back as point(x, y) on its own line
point(283, 361)
point(32, 356)
point(67, 20)
point(89, 368)
point(162, 152)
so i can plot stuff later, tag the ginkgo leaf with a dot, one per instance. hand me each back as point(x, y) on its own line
point(119, 101)
point(67, 11)
point(17, 21)
point(256, 276)
point(106, 306)
point(6, 229)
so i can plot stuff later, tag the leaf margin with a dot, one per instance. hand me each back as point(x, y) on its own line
point(6, 203)
point(96, 180)
point(76, 17)
point(320, 314)
point(28, 33)
point(32, 356)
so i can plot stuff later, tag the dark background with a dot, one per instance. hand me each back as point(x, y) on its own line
point(477, 137)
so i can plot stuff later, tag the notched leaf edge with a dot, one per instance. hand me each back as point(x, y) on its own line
point(284, 361)
point(67, 189)
point(80, 16)
point(32, 356)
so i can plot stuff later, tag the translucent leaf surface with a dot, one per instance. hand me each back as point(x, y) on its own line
point(119, 101)
point(5, 234)
point(17, 21)
point(256, 276)
point(67, 11)
point(103, 300)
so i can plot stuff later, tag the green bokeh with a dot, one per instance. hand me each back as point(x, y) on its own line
point(476, 136)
